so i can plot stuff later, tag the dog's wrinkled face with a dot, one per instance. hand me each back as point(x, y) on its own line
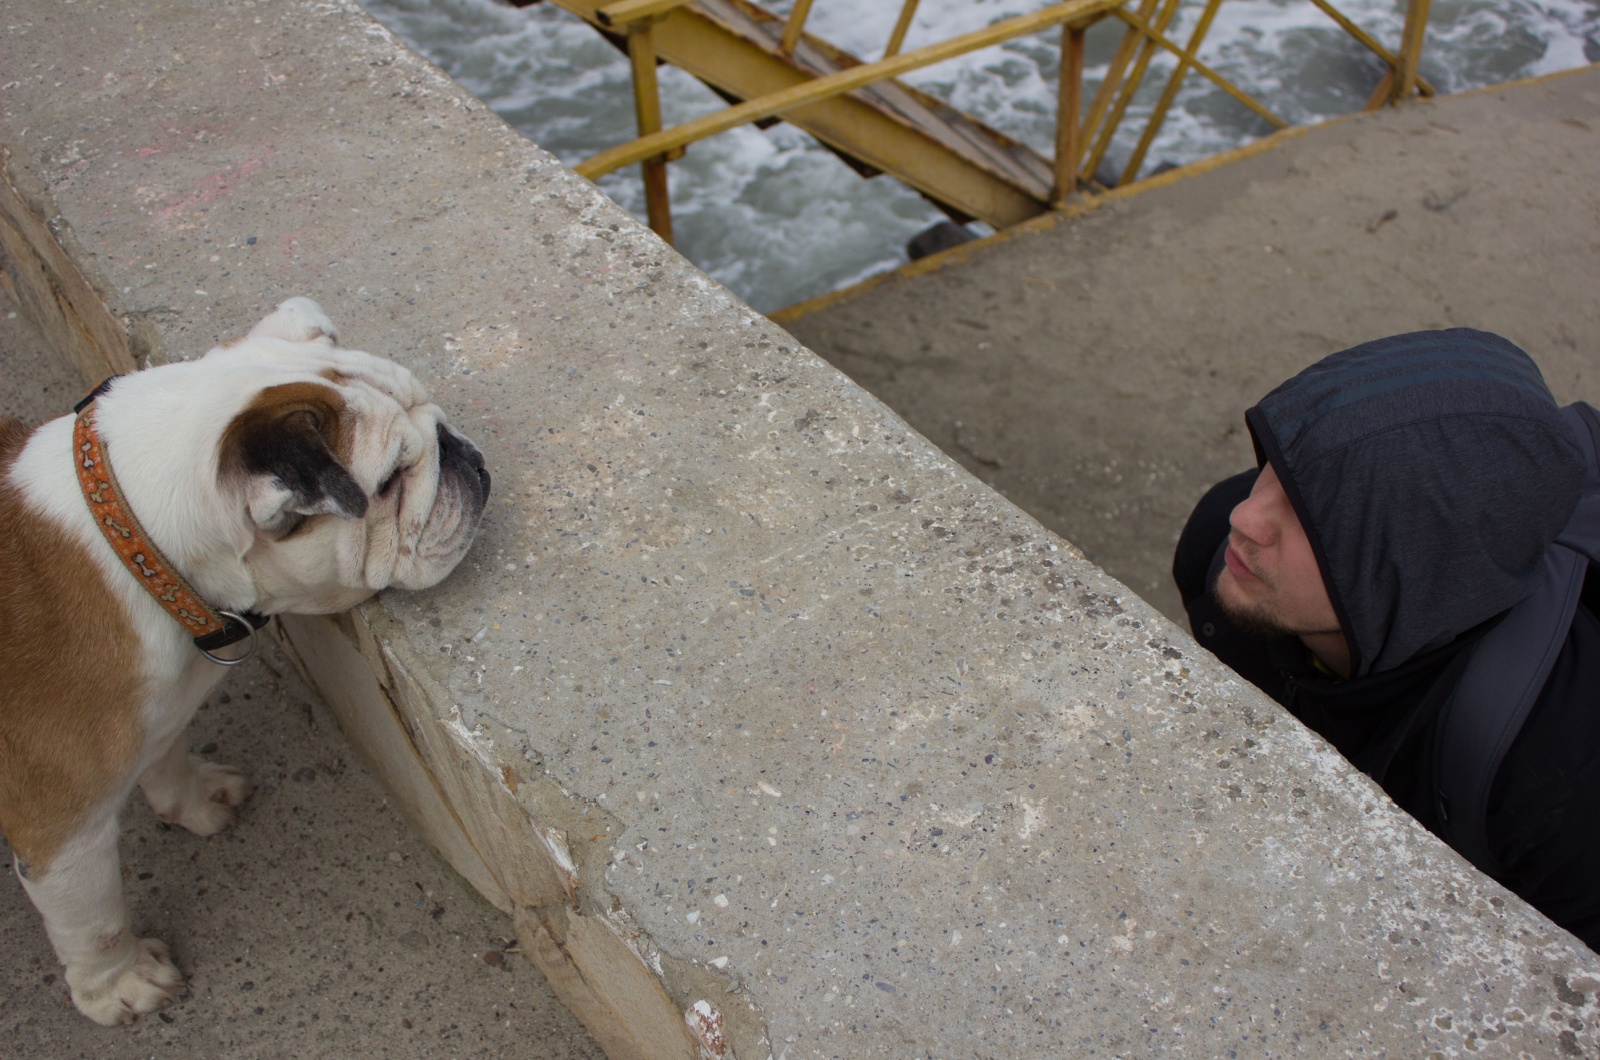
point(349, 477)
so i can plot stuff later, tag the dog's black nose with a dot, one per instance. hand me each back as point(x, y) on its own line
point(453, 444)
point(454, 447)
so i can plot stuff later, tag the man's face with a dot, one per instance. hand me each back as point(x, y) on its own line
point(1271, 580)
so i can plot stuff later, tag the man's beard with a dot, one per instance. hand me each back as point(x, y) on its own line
point(1254, 619)
point(1258, 619)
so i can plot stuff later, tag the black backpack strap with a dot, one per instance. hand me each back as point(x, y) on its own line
point(1504, 677)
point(1509, 667)
point(1582, 533)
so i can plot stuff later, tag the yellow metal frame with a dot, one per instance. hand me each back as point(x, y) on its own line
point(1081, 142)
point(901, 25)
point(821, 88)
point(885, 127)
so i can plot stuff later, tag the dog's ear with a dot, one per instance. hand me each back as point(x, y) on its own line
point(297, 319)
point(283, 452)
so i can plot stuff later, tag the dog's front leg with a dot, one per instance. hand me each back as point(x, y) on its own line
point(186, 790)
point(113, 975)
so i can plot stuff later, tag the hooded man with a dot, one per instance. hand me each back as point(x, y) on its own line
point(1407, 492)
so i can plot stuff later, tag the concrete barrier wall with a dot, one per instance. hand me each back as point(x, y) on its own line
point(775, 732)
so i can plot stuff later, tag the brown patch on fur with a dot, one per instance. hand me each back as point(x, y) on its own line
point(71, 687)
point(297, 433)
point(277, 403)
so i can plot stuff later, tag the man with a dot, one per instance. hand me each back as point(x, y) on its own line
point(1408, 490)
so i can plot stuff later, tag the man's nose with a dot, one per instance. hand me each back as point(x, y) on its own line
point(1249, 520)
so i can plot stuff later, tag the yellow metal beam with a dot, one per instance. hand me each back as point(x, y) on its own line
point(621, 14)
point(795, 26)
point(970, 170)
point(888, 127)
point(1410, 54)
point(1147, 49)
point(1152, 125)
point(1201, 68)
point(902, 25)
point(1069, 110)
point(1112, 81)
point(1401, 79)
point(647, 111)
point(752, 55)
point(1368, 40)
point(823, 88)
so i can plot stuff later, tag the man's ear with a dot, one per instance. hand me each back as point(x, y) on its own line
point(282, 452)
point(297, 319)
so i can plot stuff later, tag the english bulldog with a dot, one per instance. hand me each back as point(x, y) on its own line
point(142, 543)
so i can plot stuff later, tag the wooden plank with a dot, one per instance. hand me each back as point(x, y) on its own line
point(326, 652)
point(607, 986)
point(39, 273)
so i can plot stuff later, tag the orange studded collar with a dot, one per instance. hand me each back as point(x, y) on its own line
point(210, 628)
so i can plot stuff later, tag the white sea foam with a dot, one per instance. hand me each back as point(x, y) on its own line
point(778, 218)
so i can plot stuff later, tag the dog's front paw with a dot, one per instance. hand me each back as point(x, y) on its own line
point(147, 984)
point(201, 798)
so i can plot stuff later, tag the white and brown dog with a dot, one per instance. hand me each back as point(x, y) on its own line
point(276, 474)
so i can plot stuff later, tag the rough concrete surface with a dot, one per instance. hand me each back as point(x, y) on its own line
point(1096, 370)
point(750, 702)
point(318, 926)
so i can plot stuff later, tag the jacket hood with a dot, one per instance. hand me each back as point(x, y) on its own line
point(1431, 471)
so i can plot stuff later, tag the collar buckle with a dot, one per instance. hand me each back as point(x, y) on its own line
point(238, 627)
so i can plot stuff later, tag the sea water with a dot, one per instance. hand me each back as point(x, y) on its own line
point(778, 218)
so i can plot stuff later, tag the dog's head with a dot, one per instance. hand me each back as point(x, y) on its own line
point(347, 476)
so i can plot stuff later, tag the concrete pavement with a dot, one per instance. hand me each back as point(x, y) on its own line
point(775, 731)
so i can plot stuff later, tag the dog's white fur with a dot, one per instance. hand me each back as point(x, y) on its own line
point(226, 529)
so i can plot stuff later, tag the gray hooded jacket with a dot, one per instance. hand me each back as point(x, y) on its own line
point(1431, 470)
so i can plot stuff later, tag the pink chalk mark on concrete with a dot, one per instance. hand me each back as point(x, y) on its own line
point(215, 186)
point(175, 138)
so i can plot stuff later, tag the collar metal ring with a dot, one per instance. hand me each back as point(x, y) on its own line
point(250, 643)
